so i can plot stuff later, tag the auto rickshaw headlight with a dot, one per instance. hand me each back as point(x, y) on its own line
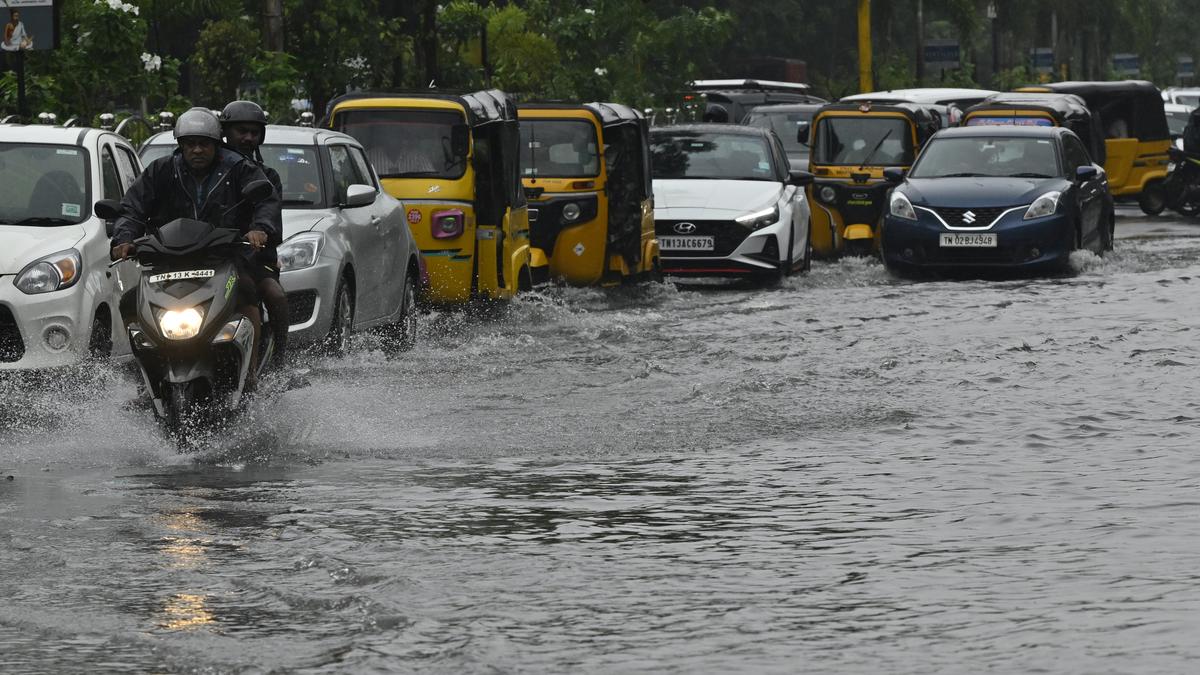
point(827, 194)
point(1045, 205)
point(571, 212)
point(448, 224)
point(901, 207)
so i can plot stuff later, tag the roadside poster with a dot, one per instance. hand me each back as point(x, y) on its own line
point(1185, 68)
point(942, 55)
point(28, 25)
point(1126, 65)
point(1041, 59)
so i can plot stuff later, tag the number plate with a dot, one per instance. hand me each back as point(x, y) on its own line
point(686, 243)
point(968, 240)
point(176, 276)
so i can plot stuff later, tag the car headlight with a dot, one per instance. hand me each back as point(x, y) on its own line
point(759, 219)
point(181, 324)
point(300, 251)
point(827, 194)
point(1045, 205)
point(901, 207)
point(54, 272)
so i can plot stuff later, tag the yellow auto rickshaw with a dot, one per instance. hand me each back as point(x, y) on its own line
point(452, 159)
point(1040, 109)
point(1136, 135)
point(586, 171)
point(850, 146)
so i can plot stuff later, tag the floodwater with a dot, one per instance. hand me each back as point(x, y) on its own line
point(848, 473)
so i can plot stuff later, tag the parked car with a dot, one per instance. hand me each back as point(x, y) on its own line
point(728, 101)
point(790, 122)
point(726, 203)
point(59, 302)
point(1018, 197)
point(1177, 120)
point(1188, 96)
point(348, 260)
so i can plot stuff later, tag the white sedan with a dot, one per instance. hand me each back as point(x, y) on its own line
point(58, 297)
point(348, 261)
point(727, 204)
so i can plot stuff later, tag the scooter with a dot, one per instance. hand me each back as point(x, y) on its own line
point(192, 345)
point(1181, 187)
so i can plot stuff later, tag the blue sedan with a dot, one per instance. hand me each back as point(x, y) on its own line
point(994, 197)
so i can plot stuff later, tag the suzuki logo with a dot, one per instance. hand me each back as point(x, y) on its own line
point(969, 217)
point(685, 228)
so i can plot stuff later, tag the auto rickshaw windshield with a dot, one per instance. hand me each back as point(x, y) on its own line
point(406, 143)
point(559, 148)
point(873, 141)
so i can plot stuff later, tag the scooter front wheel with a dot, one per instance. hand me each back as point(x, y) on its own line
point(181, 402)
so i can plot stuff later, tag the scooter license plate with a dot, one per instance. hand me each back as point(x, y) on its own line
point(968, 240)
point(185, 274)
point(669, 243)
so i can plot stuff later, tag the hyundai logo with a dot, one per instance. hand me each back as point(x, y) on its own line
point(969, 217)
point(685, 228)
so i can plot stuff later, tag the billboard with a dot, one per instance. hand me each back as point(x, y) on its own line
point(28, 24)
point(941, 55)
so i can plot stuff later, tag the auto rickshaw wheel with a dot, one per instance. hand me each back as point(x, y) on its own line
point(1153, 198)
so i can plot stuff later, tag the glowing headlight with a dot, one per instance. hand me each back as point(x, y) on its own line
point(758, 219)
point(901, 207)
point(827, 194)
point(51, 273)
point(300, 251)
point(1045, 205)
point(570, 212)
point(181, 325)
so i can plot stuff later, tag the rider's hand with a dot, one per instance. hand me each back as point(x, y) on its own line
point(121, 251)
point(257, 238)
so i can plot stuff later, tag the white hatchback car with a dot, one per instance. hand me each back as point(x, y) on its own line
point(726, 202)
point(58, 296)
point(348, 261)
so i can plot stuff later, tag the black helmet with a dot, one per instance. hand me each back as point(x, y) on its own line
point(198, 122)
point(244, 111)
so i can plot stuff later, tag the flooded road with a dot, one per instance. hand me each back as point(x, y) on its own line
point(849, 473)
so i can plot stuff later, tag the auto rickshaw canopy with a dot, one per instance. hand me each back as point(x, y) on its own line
point(924, 117)
point(1127, 108)
point(482, 107)
point(1064, 110)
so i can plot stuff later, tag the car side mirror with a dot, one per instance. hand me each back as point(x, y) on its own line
point(802, 129)
point(1087, 172)
point(460, 140)
point(360, 195)
point(800, 178)
point(894, 175)
point(257, 191)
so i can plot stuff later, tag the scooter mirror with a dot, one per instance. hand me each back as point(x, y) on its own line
point(257, 191)
point(108, 209)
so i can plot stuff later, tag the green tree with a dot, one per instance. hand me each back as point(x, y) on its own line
point(222, 59)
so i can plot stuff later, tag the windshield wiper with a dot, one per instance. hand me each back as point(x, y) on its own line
point(293, 202)
point(1028, 174)
point(874, 150)
point(961, 175)
point(43, 220)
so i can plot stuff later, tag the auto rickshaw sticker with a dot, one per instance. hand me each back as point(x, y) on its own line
point(579, 249)
point(434, 188)
point(414, 216)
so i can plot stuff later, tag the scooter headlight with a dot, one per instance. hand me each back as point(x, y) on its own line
point(901, 207)
point(181, 324)
point(51, 273)
point(1045, 205)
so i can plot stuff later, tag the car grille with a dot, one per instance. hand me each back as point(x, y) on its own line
point(980, 217)
point(12, 347)
point(300, 306)
point(727, 236)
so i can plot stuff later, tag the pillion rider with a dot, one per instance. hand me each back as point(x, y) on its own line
point(244, 126)
point(201, 180)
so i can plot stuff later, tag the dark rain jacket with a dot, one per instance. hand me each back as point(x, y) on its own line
point(166, 191)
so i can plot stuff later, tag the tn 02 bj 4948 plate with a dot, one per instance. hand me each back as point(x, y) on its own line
point(968, 240)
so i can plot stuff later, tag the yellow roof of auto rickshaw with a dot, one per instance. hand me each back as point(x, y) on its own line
point(482, 107)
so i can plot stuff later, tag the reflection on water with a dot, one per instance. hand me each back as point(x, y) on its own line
point(843, 474)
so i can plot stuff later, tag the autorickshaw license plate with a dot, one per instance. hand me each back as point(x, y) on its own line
point(975, 240)
point(686, 243)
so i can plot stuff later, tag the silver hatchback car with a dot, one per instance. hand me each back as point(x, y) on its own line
point(348, 260)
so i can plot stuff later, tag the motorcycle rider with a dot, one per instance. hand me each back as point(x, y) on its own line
point(201, 180)
point(244, 126)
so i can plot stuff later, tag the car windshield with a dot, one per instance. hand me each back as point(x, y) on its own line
point(712, 155)
point(863, 141)
point(153, 152)
point(559, 148)
point(299, 173)
point(1176, 121)
point(786, 126)
point(43, 185)
point(406, 143)
point(987, 156)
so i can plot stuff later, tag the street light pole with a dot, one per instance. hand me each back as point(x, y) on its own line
point(864, 46)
